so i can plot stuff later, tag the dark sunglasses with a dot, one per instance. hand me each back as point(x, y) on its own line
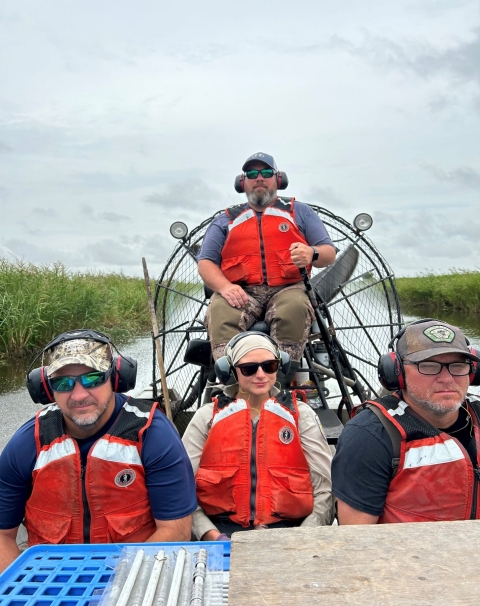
point(265, 172)
point(250, 368)
point(88, 381)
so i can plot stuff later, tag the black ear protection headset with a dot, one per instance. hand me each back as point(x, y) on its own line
point(282, 181)
point(391, 372)
point(224, 368)
point(123, 375)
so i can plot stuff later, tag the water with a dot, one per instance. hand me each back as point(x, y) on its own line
point(16, 406)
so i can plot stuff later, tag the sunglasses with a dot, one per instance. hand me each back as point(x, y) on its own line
point(88, 381)
point(265, 172)
point(250, 368)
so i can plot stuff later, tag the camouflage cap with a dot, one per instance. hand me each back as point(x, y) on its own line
point(427, 339)
point(80, 351)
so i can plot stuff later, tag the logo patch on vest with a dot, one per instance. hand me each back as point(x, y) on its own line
point(286, 435)
point(439, 334)
point(284, 227)
point(125, 478)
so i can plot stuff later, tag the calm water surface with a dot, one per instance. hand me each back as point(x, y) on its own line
point(16, 406)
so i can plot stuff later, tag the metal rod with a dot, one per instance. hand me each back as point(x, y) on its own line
point(153, 582)
point(357, 317)
point(327, 371)
point(199, 575)
point(384, 325)
point(138, 591)
point(359, 290)
point(132, 577)
point(153, 316)
point(121, 574)
point(177, 578)
point(183, 294)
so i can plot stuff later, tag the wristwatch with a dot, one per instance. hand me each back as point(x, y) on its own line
point(315, 254)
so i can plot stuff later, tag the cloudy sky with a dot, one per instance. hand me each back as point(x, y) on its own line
point(118, 118)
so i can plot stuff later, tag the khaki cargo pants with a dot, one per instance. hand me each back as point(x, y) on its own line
point(286, 309)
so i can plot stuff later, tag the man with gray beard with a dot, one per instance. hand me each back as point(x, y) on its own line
point(414, 455)
point(251, 256)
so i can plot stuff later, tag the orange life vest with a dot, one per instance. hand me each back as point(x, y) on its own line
point(107, 501)
point(435, 480)
point(261, 481)
point(259, 251)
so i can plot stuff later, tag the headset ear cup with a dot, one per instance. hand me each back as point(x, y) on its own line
point(240, 184)
point(474, 376)
point(284, 362)
point(390, 372)
point(38, 387)
point(282, 180)
point(124, 374)
point(223, 369)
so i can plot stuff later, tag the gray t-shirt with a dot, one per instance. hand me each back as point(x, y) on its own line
point(308, 222)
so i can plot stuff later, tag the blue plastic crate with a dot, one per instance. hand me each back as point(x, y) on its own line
point(71, 575)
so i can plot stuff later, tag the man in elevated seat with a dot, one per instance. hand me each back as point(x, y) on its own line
point(414, 456)
point(251, 256)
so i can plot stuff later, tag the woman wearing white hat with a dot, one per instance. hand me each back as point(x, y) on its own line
point(260, 457)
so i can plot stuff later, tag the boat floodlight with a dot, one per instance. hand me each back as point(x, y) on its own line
point(178, 230)
point(362, 222)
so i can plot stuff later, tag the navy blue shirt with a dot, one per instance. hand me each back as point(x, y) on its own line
point(168, 472)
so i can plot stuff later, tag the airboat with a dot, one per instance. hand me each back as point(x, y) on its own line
point(357, 313)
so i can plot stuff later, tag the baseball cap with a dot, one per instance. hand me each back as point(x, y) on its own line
point(260, 157)
point(427, 339)
point(80, 351)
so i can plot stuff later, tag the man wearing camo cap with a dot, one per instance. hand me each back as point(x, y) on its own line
point(414, 455)
point(251, 256)
point(95, 466)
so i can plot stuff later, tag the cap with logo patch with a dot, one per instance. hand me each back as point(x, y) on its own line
point(427, 339)
point(80, 351)
point(260, 157)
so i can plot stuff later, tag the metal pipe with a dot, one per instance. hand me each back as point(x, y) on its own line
point(199, 575)
point(177, 578)
point(331, 374)
point(153, 582)
point(138, 591)
point(132, 577)
point(121, 573)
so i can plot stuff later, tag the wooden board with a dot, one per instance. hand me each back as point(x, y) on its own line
point(397, 564)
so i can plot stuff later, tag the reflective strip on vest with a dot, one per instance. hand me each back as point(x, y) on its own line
point(272, 406)
point(49, 408)
point(229, 410)
point(57, 451)
point(241, 218)
point(115, 452)
point(279, 213)
point(400, 410)
point(136, 411)
point(436, 454)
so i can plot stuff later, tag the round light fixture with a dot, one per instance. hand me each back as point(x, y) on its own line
point(362, 222)
point(178, 230)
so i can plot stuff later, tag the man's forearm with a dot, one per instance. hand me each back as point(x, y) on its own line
point(9, 551)
point(212, 275)
point(172, 531)
point(326, 255)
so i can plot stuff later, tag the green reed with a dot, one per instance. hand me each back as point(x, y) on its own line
point(39, 302)
point(457, 290)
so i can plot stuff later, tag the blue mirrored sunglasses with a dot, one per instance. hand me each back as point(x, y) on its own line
point(89, 380)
